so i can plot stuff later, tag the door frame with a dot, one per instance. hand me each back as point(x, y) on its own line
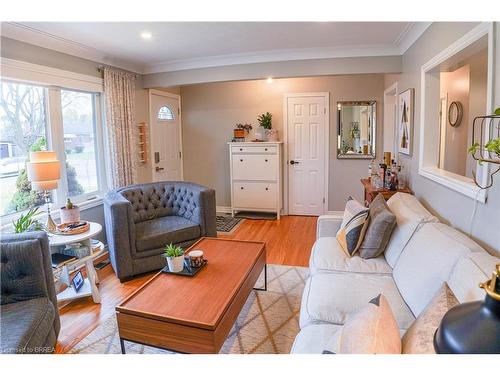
point(326, 134)
point(392, 91)
point(179, 117)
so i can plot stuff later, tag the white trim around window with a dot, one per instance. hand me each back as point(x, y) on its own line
point(429, 150)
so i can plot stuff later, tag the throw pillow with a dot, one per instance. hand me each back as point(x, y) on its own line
point(352, 229)
point(372, 330)
point(419, 339)
point(378, 232)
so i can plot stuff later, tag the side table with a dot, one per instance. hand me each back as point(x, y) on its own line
point(89, 287)
point(371, 192)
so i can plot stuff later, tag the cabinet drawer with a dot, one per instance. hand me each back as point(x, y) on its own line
point(255, 167)
point(255, 195)
point(253, 149)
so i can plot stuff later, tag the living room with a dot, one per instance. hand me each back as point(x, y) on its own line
point(306, 186)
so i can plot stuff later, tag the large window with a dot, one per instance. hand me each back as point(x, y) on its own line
point(72, 129)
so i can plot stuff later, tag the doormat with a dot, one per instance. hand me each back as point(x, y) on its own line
point(256, 215)
point(227, 223)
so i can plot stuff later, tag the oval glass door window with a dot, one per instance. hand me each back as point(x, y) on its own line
point(165, 113)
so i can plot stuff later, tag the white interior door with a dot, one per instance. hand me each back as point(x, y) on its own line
point(307, 132)
point(165, 134)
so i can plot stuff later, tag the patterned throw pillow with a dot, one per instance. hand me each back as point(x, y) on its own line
point(372, 330)
point(419, 339)
point(381, 223)
point(352, 230)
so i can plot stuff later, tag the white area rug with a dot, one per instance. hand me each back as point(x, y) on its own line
point(267, 324)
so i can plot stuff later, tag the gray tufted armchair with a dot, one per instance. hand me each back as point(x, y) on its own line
point(29, 318)
point(142, 219)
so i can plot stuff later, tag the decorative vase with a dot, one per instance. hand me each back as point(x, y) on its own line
point(272, 135)
point(70, 215)
point(259, 133)
point(176, 264)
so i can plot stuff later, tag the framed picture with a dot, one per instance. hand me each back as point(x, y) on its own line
point(405, 121)
point(77, 281)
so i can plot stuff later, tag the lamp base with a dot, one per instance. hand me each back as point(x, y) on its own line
point(50, 225)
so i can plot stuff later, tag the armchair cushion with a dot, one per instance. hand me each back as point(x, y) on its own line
point(26, 326)
point(22, 276)
point(156, 233)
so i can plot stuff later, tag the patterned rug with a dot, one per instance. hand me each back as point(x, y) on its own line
point(227, 224)
point(267, 324)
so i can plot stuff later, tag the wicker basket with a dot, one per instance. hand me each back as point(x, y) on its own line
point(63, 228)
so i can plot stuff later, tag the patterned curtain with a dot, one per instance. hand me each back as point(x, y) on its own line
point(119, 92)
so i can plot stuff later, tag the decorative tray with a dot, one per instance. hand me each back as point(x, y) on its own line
point(73, 228)
point(188, 270)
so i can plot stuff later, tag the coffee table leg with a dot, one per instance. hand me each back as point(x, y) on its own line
point(265, 280)
point(122, 345)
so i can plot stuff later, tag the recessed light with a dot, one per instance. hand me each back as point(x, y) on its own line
point(269, 80)
point(146, 35)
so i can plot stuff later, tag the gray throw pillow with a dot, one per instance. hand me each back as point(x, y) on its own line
point(380, 226)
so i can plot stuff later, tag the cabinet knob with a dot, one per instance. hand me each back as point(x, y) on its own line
point(267, 188)
point(242, 188)
point(266, 160)
point(265, 149)
point(241, 149)
point(241, 159)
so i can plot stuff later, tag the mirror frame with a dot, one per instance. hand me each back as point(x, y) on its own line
point(373, 132)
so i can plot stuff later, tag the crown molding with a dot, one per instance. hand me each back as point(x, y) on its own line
point(37, 37)
point(43, 39)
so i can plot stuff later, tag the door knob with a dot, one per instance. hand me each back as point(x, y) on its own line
point(158, 169)
point(292, 162)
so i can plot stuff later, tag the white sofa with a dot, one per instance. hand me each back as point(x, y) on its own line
point(422, 254)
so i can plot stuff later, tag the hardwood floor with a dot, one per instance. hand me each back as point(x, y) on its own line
point(288, 242)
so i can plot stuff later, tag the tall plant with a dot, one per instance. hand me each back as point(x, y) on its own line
point(265, 120)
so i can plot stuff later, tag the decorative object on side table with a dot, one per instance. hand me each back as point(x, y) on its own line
point(405, 124)
point(474, 327)
point(72, 228)
point(175, 258)
point(43, 171)
point(70, 213)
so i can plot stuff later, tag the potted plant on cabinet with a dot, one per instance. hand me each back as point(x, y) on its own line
point(175, 258)
point(265, 122)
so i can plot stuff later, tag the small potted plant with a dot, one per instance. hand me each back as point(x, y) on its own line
point(241, 130)
point(27, 222)
point(175, 258)
point(70, 213)
point(265, 122)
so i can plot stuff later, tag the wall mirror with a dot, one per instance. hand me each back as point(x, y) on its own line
point(356, 129)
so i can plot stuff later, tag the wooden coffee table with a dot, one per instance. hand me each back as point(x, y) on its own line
point(194, 314)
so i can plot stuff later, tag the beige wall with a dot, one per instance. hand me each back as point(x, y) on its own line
point(210, 111)
point(452, 207)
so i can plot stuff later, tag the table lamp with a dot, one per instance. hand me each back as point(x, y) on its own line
point(473, 327)
point(44, 171)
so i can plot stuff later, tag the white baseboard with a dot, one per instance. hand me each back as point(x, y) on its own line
point(223, 209)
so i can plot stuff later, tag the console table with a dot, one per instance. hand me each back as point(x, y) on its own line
point(61, 273)
point(371, 192)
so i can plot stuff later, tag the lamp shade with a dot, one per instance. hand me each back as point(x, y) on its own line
point(44, 170)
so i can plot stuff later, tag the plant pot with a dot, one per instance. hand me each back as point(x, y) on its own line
point(176, 264)
point(70, 215)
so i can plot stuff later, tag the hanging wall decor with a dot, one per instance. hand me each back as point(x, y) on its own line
point(405, 121)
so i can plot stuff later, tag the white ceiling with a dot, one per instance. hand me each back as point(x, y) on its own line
point(188, 45)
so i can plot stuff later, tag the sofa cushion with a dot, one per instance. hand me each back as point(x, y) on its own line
point(419, 339)
point(426, 263)
point(352, 229)
point(314, 338)
point(327, 255)
point(410, 215)
point(468, 273)
point(156, 233)
point(372, 330)
point(381, 223)
point(334, 297)
point(28, 324)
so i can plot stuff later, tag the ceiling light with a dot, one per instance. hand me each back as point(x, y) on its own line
point(269, 80)
point(146, 35)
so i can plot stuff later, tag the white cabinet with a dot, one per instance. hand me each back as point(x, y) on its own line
point(255, 176)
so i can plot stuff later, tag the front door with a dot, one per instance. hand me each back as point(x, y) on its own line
point(165, 137)
point(306, 118)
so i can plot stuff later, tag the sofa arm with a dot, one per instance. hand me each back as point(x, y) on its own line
point(208, 213)
point(120, 233)
point(328, 225)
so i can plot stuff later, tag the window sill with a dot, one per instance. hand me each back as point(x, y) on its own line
point(6, 221)
point(453, 181)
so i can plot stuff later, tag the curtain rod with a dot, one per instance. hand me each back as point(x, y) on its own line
point(100, 69)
